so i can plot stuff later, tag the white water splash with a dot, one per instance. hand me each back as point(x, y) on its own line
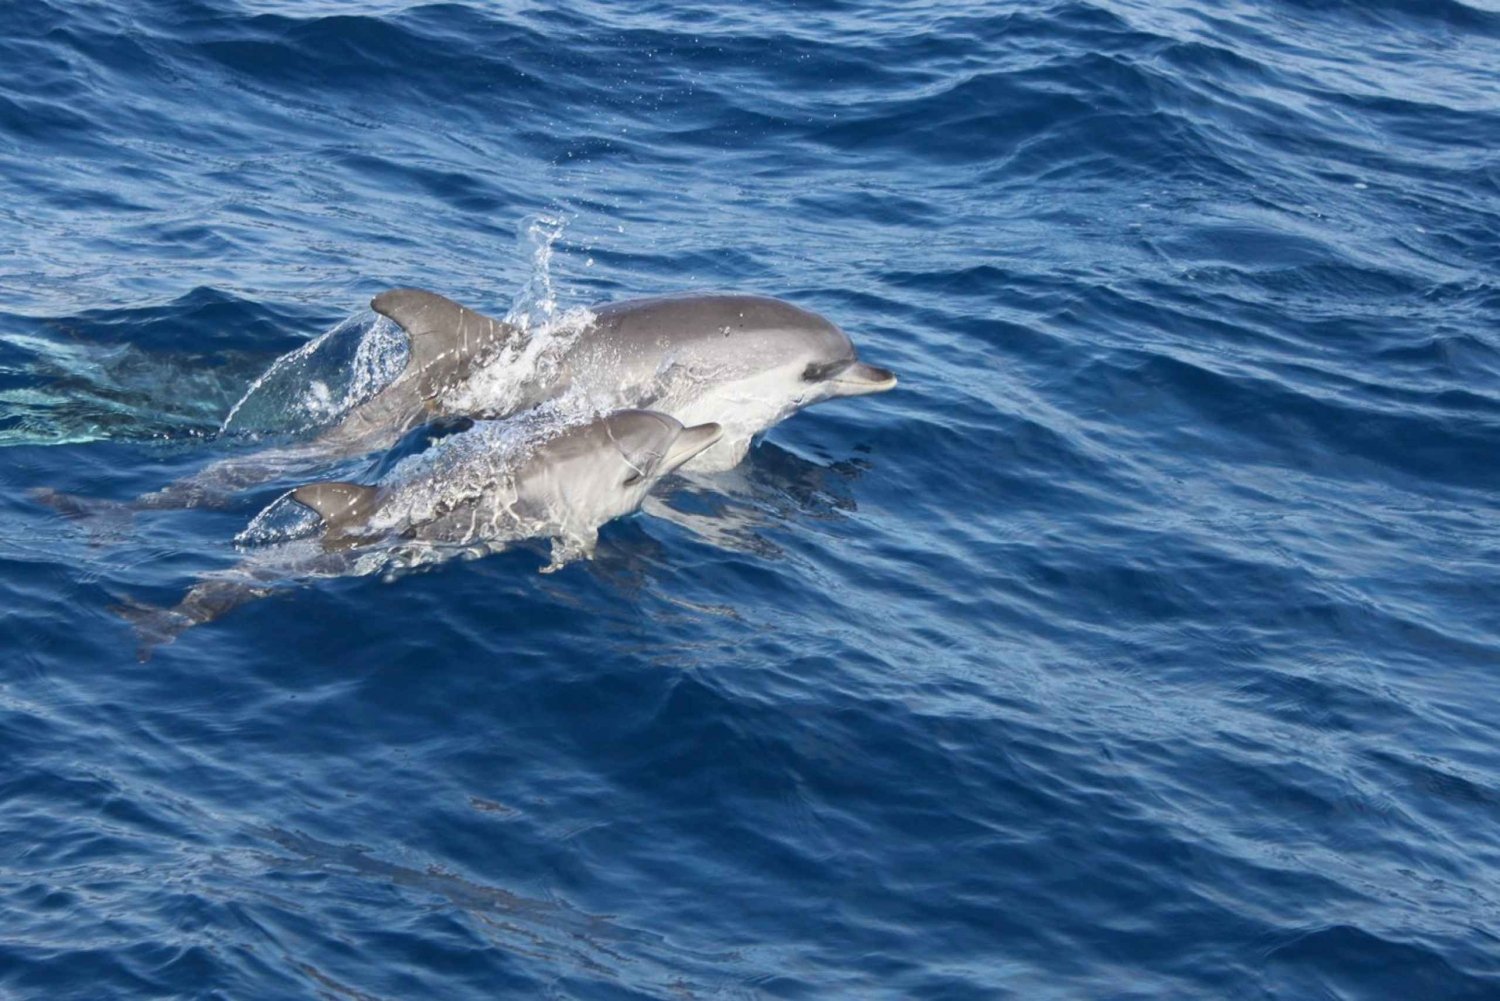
point(280, 521)
point(509, 381)
point(535, 303)
point(316, 385)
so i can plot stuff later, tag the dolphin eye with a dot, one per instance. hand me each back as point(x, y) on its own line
point(819, 370)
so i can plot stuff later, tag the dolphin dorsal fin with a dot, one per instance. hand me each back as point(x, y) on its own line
point(447, 341)
point(340, 505)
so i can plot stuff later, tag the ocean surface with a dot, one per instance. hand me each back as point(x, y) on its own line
point(1143, 643)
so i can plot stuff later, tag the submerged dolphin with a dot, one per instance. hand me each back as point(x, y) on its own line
point(743, 361)
point(472, 493)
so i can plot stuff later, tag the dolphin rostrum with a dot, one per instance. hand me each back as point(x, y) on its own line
point(471, 493)
point(743, 361)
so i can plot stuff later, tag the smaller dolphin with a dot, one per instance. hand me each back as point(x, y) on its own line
point(472, 493)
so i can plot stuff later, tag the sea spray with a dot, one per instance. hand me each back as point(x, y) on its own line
point(319, 383)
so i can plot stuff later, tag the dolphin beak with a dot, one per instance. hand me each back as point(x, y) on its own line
point(860, 379)
point(690, 442)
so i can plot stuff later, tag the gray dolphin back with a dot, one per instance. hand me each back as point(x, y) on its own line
point(447, 341)
point(675, 317)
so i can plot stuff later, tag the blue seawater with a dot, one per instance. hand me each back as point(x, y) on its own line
point(1145, 642)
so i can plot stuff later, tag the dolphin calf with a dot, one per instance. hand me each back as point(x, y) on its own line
point(472, 493)
point(745, 362)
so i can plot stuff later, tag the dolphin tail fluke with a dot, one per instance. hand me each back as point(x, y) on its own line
point(154, 626)
point(106, 521)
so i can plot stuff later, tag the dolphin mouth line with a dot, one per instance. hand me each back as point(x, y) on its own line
point(860, 378)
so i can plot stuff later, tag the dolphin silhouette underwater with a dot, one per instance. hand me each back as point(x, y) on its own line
point(472, 493)
point(745, 362)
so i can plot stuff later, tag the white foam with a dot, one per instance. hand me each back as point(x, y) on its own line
point(317, 384)
point(509, 381)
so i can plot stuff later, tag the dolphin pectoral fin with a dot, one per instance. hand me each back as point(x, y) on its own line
point(342, 506)
point(860, 379)
point(570, 548)
point(154, 626)
point(205, 601)
point(447, 341)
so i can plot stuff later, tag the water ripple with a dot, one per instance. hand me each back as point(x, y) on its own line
point(1140, 645)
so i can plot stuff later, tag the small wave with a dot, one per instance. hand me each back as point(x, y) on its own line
point(320, 382)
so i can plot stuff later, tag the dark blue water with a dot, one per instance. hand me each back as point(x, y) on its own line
point(1144, 643)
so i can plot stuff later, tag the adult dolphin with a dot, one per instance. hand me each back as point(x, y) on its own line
point(745, 362)
point(472, 493)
